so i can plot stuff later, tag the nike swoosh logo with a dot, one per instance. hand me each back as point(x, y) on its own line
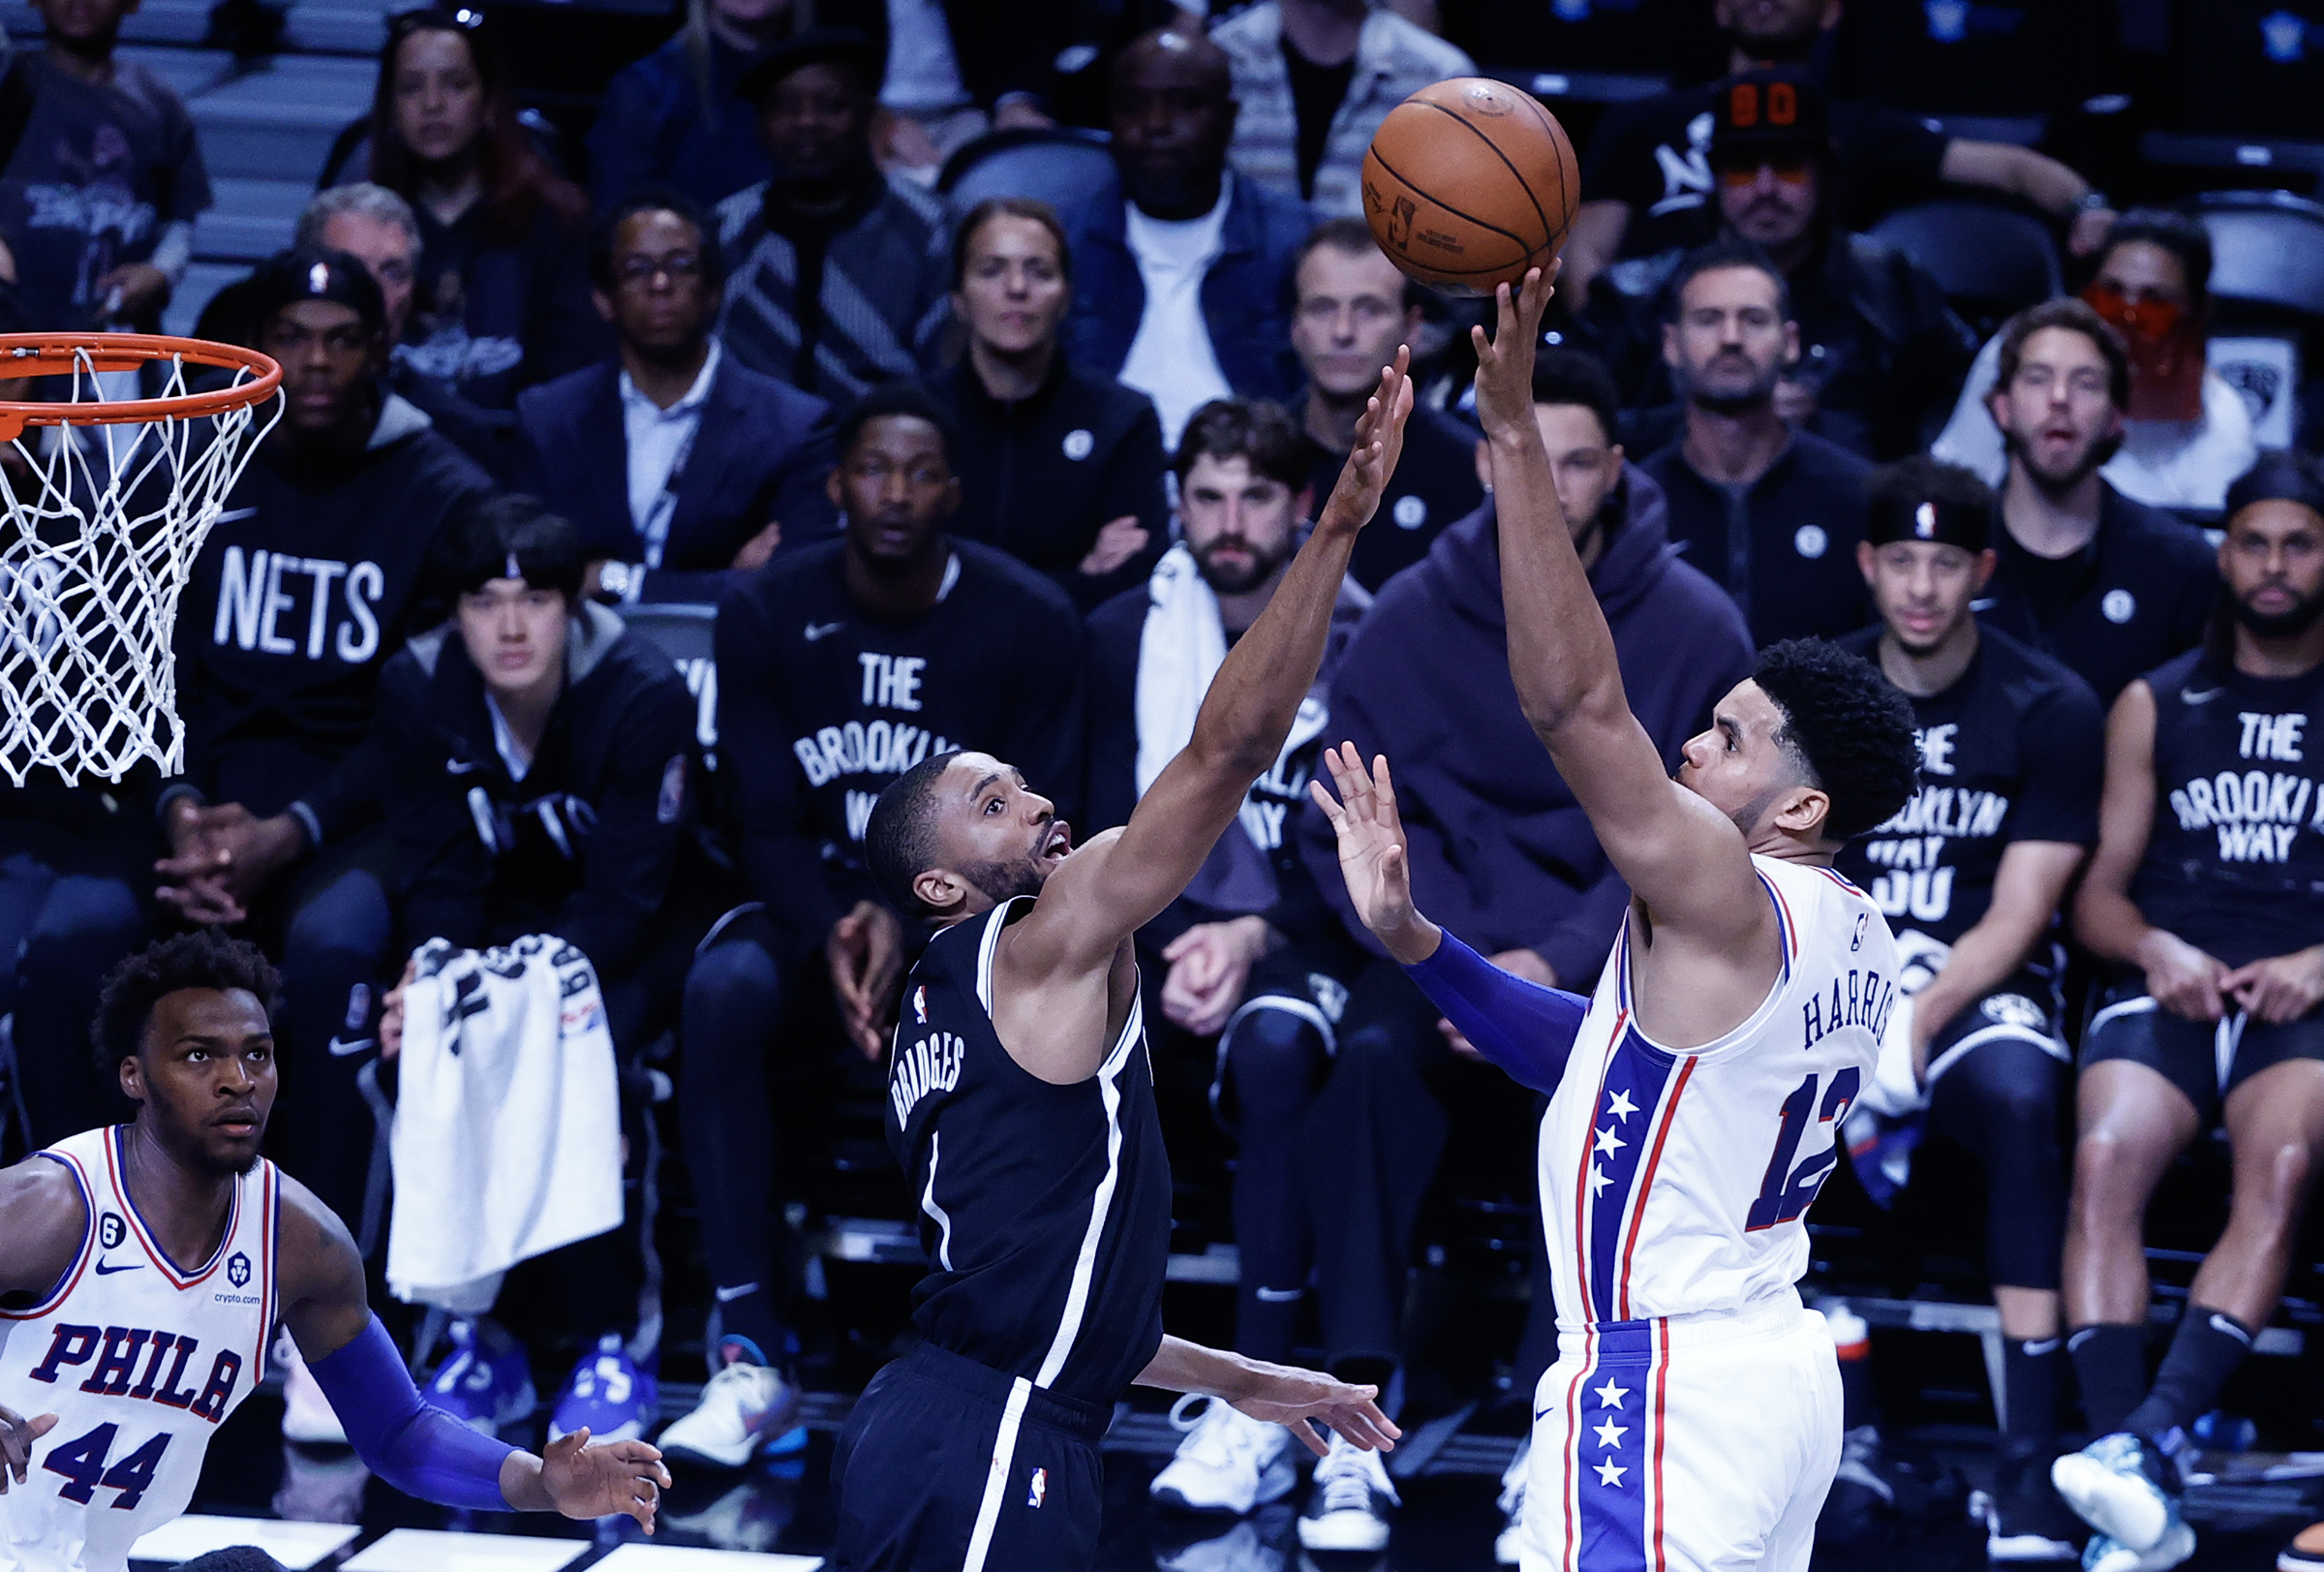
point(461, 766)
point(341, 1050)
point(2220, 1323)
point(1540, 1414)
point(2189, 696)
point(1279, 1296)
point(822, 630)
point(728, 1296)
point(105, 1271)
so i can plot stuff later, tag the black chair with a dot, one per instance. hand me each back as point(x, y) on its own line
point(1990, 261)
point(1061, 165)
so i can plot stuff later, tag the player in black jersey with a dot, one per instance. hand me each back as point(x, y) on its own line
point(2208, 892)
point(1970, 874)
point(1021, 1106)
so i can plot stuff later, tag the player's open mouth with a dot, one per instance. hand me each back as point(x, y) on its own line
point(1060, 841)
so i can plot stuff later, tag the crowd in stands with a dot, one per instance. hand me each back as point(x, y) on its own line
point(1014, 474)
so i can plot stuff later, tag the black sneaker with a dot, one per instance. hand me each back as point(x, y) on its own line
point(2024, 1520)
point(1861, 1501)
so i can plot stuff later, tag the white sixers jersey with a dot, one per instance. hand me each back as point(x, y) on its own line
point(1675, 1183)
point(139, 1360)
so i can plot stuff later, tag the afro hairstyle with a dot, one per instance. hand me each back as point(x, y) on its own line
point(1848, 726)
point(203, 959)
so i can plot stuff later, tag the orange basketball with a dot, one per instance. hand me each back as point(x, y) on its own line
point(1469, 182)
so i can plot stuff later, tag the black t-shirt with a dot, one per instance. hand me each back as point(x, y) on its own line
point(2234, 857)
point(2014, 750)
point(1316, 95)
point(1435, 483)
point(1654, 156)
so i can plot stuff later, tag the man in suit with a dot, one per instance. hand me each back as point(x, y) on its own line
point(679, 464)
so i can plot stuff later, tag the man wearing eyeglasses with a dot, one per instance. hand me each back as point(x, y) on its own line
point(1881, 353)
point(680, 465)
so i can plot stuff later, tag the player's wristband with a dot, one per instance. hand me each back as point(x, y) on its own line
point(414, 1446)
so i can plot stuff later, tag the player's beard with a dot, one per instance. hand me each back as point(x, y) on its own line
point(1004, 880)
point(2289, 623)
point(2092, 458)
point(1238, 580)
point(1734, 399)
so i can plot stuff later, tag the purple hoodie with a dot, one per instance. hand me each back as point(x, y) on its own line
point(1501, 852)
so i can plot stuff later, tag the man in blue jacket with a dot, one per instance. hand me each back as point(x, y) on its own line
point(1181, 273)
point(678, 464)
point(1499, 844)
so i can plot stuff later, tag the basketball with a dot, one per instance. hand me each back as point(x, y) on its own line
point(1468, 184)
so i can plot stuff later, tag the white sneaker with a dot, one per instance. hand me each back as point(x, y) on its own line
point(307, 1416)
point(1511, 1503)
point(1349, 1509)
point(743, 1407)
point(1228, 1462)
point(2110, 1485)
point(2104, 1554)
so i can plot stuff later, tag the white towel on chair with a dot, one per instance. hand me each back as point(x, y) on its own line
point(1179, 650)
point(507, 1135)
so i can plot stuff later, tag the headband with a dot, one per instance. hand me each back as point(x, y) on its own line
point(1942, 523)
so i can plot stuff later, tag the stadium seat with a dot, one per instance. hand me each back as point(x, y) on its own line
point(2268, 251)
point(1059, 166)
point(1990, 261)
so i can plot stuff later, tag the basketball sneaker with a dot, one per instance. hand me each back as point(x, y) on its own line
point(2305, 1552)
point(1228, 1461)
point(2122, 1486)
point(486, 1381)
point(307, 1416)
point(2173, 1548)
point(1511, 1503)
point(2023, 1519)
point(745, 1406)
point(608, 1394)
point(1349, 1509)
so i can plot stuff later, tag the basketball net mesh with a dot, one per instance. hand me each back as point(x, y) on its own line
point(101, 527)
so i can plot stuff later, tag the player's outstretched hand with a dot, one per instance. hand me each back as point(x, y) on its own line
point(1379, 444)
point(1300, 1399)
point(16, 1437)
point(1505, 361)
point(585, 1481)
point(1372, 855)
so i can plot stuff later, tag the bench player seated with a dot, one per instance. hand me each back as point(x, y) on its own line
point(1969, 875)
point(112, 1380)
point(2207, 894)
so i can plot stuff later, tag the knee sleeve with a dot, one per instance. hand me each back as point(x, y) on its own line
point(1272, 1060)
point(733, 995)
point(2003, 1102)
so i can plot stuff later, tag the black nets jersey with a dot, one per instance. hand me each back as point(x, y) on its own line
point(2015, 750)
point(1044, 1208)
point(2235, 858)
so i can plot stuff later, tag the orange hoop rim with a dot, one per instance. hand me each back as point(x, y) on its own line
point(55, 355)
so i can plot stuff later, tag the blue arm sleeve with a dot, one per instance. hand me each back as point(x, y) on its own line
point(1524, 1027)
point(409, 1443)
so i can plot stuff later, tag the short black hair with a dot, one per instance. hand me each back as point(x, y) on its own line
point(205, 958)
point(2181, 235)
point(1355, 236)
point(490, 535)
point(1256, 430)
point(1728, 251)
point(653, 199)
point(901, 838)
point(1572, 376)
point(2075, 317)
point(1031, 209)
point(896, 398)
point(1848, 726)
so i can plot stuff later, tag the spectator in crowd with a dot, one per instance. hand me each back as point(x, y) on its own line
point(540, 760)
point(1351, 308)
point(841, 666)
point(1970, 874)
point(957, 69)
point(1183, 273)
point(1248, 954)
point(2186, 434)
point(1313, 79)
point(1498, 843)
point(1880, 353)
point(502, 295)
point(1772, 511)
point(836, 275)
point(1059, 469)
point(677, 464)
point(101, 182)
point(677, 119)
point(310, 581)
point(1648, 176)
point(2107, 585)
point(2204, 897)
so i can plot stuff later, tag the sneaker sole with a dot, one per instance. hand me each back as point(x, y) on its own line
point(2127, 1510)
point(2294, 1560)
point(1323, 1533)
point(1277, 1482)
point(2019, 1548)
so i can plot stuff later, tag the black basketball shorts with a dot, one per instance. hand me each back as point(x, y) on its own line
point(2205, 1060)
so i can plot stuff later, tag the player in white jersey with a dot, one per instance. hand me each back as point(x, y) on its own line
point(1691, 1422)
point(146, 1268)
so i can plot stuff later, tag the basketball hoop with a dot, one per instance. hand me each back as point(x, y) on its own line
point(100, 523)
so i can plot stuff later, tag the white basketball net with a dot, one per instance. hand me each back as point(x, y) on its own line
point(101, 527)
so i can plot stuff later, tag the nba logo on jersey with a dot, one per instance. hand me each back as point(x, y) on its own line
point(919, 1005)
point(1040, 1490)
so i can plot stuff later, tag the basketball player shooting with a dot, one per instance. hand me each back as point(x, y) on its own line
point(1021, 1106)
point(128, 1361)
point(1692, 1420)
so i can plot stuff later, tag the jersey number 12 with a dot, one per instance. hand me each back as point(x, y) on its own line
point(1786, 1191)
